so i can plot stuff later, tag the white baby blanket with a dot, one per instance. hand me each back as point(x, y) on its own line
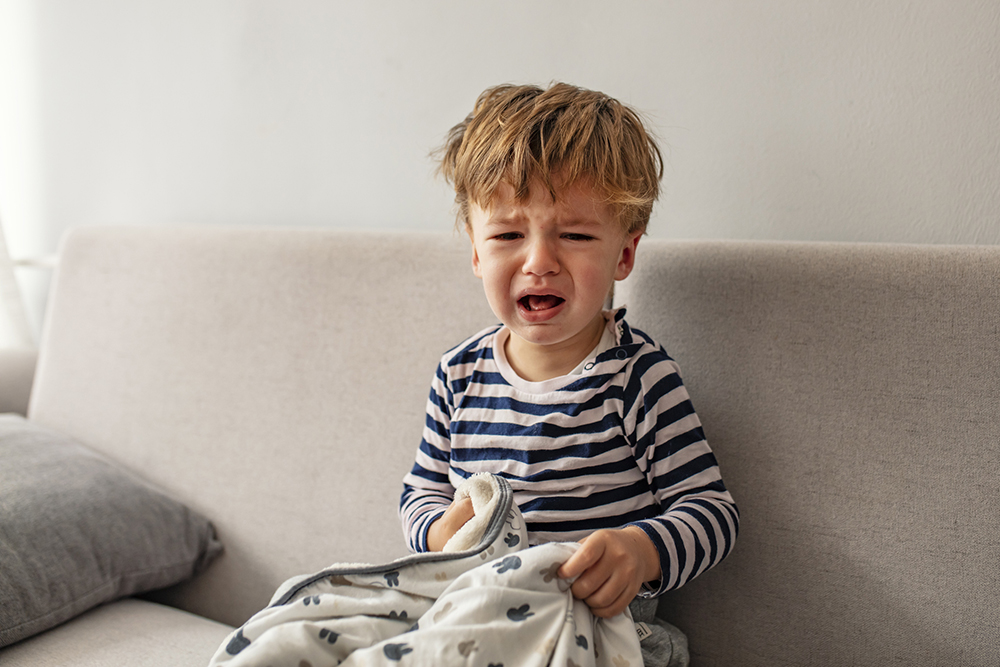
point(497, 603)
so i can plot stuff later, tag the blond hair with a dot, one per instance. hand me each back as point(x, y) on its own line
point(516, 134)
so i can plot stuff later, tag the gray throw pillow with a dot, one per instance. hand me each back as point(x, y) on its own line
point(77, 530)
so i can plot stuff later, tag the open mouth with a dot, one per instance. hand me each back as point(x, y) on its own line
point(535, 302)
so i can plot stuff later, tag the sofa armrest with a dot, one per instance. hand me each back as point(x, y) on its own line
point(17, 372)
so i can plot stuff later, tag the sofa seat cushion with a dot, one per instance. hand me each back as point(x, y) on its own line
point(129, 632)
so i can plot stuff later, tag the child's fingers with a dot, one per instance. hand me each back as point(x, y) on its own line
point(607, 572)
point(600, 584)
point(588, 554)
point(617, 605)
point(456, 516)
point(605, 589)
point(462, 511)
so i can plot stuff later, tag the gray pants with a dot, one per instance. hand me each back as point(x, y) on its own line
point(662, 644)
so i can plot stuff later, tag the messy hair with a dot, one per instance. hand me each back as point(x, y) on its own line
point(516, 134)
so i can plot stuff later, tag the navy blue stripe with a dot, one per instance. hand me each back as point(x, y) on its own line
point(642, 400)
point(662, 387)
point(681, 553)
point(734, 514)
point(664, 420)
point(720, 521)
point(437, 427)
point(470, 350)
point(709, 531)
point(592, 382)
point(583, 450)
point(429, 475)
point(693, 467)
point(689, 494)
point(572, 503)
point(539, 429)
point(596, 523)
point(458, 386)
point(645, 338)
point(570, 409)
point(425, 494)
point(661, 549)
point(557, 475)
point(678, 442)
point(443, 403)
point(640, 365)
point(432, 451)
point(486, 378)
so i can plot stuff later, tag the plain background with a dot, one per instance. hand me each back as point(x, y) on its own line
point(835, 120)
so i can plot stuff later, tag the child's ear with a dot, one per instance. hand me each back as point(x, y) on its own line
point(476, 268)
point(626, 260)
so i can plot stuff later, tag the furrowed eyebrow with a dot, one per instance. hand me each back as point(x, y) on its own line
point(583, 222)
point(509, 220)
point(503, 220)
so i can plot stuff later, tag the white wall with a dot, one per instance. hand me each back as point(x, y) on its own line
point(841, 120)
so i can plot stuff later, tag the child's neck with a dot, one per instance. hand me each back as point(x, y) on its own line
point(537, 363)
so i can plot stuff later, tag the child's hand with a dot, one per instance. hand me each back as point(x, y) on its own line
point(457, 514)
point(612, 566)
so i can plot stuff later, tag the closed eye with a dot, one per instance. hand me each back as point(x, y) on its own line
point(507, 236)
point(578, 237)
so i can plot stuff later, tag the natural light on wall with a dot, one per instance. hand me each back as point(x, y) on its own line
point(23, 282)
point(14, 328)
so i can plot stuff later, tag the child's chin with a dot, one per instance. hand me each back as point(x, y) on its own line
point(532, 335)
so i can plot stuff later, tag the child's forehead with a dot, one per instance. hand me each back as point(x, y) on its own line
point(579, 197)
point(568, 206)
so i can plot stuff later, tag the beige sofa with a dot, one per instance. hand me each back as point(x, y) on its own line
point(274, 381)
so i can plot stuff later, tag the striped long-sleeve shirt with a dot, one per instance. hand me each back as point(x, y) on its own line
point(619, 444)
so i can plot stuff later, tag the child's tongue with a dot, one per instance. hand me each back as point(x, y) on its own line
point(542, 302)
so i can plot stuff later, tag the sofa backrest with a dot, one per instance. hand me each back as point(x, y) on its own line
point(852, 396)
point(273, 379)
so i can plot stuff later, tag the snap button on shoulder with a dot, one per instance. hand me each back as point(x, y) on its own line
point(621, 354)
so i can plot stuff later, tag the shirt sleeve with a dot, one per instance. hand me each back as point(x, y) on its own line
point(427, 492)
point(699, 520)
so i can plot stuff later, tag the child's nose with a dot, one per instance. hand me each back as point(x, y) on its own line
point(541, 258)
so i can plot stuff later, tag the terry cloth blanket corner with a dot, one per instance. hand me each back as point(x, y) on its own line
point(497, 603)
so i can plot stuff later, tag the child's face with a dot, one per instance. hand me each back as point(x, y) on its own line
point(547, 266)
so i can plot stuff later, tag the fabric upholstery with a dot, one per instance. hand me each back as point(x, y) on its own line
point(17, 370)
point(273, 379)
point(76, 531)
point(851, 395)
point(129, 632)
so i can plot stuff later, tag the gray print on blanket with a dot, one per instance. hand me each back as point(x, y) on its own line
point(497, 603)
